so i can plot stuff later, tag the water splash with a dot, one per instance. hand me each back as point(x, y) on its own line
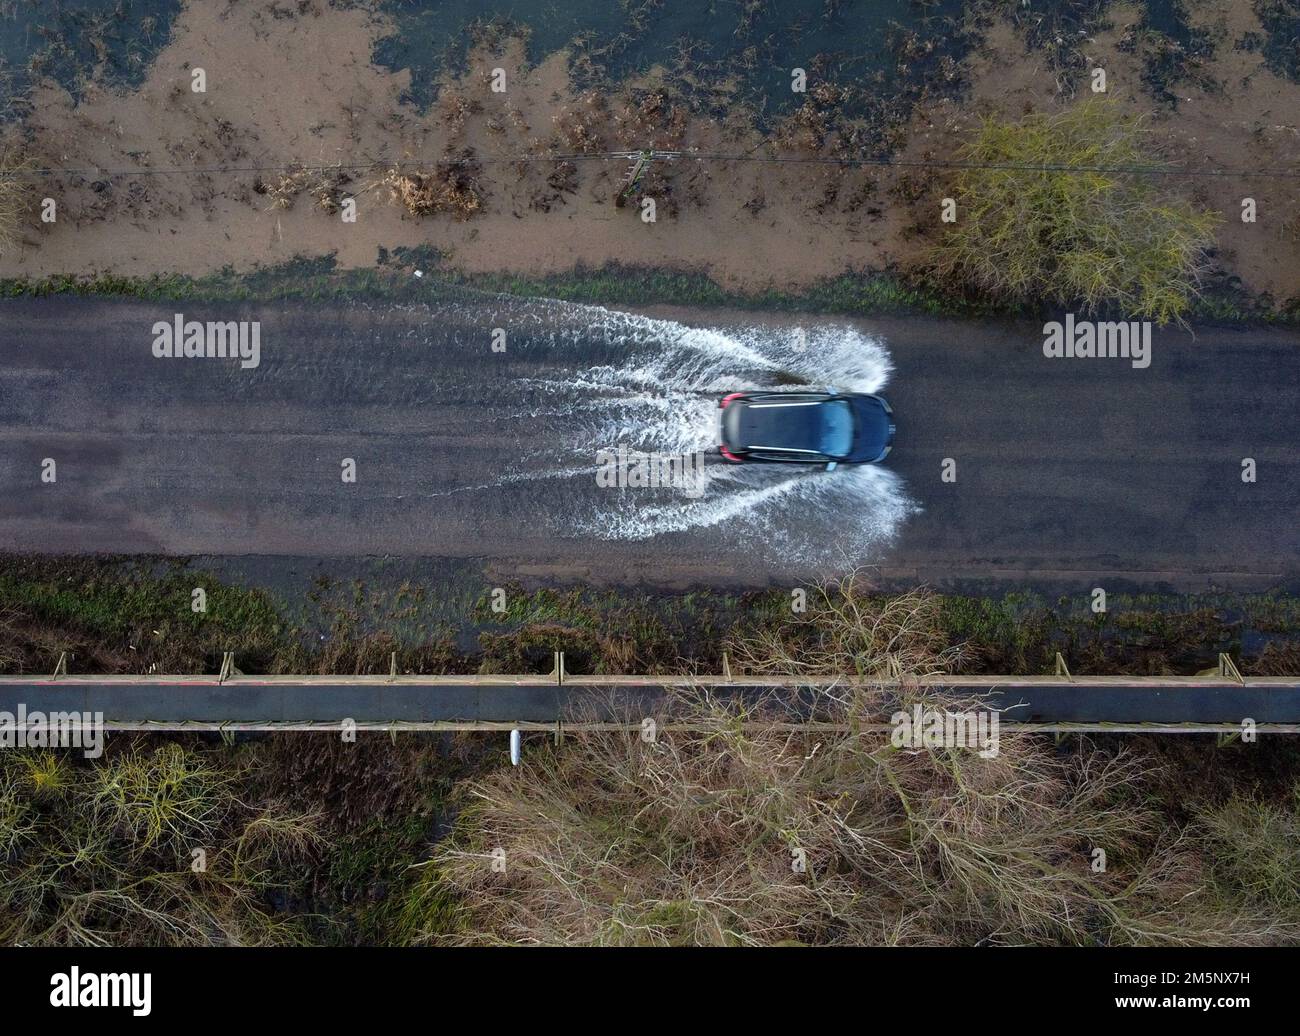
point(618, 379)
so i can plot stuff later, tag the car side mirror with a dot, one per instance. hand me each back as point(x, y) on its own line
point(832, 466)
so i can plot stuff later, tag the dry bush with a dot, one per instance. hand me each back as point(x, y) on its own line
point(96, 854)
point(451, 187)
point(1277, 659)
point(327, 187)
point(650, 120)
point(808, 127)
point(844, 629)
point(285, 188)
point(1254, 845)
point(560, 181)
point(456, 110)
point(13, 197)
point(580, 126)
point(689, 839)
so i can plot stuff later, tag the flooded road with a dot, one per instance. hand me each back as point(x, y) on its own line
point(474, 428)
point(583, 379)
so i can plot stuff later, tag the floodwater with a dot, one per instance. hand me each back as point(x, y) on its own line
point(585, 379)
point(375, 428)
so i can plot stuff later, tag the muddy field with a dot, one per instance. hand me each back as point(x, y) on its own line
point(310, 104)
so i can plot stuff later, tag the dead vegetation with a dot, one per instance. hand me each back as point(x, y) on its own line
point(580, 126)
point(686, 839)
point(737, 832)
point(451, 187)
point(562, 180)
point(807, 128)
point(456, 110)
point(844, 629)
point(694, 839)
point(14, 191)
point(649, 119)
point(326, 187)
point(105, 853)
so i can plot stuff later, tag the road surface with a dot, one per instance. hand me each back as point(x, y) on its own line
point(1066, 469)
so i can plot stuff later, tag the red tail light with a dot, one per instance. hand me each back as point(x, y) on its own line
point(722, 403)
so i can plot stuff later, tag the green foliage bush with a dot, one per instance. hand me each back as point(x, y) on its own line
point(1041, 215)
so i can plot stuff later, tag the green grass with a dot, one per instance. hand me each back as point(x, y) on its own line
point(134, 615)
point(113, 603)
point(392, 278)
point(1138, 633)
point(366, 875)
point(122, 616)
point(862, 294)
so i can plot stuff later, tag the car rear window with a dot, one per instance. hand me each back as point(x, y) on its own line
point(836, 439)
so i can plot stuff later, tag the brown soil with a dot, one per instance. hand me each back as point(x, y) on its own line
point(1234, 114)
point(294, 92)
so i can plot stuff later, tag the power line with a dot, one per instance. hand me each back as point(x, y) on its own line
point(96, 172)
point(1010, 167)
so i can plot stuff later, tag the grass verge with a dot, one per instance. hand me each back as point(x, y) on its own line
point(136, 615)
point(862, 294)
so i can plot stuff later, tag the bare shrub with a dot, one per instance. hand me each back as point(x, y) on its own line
point(101, 854)
point(451, 187)
point(692, 838)
point(13, 197)
point(327, 187)
point(648, 119)
point(581, 126)
point(844, 629)
point(456, 110)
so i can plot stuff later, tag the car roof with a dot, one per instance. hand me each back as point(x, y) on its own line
point(790, 424)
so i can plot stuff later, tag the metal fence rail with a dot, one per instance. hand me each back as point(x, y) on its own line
point(1219, 700)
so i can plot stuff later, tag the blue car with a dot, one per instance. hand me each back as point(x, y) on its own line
point(801, 427)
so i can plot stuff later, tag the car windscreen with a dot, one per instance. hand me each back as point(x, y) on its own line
point(836, 435)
